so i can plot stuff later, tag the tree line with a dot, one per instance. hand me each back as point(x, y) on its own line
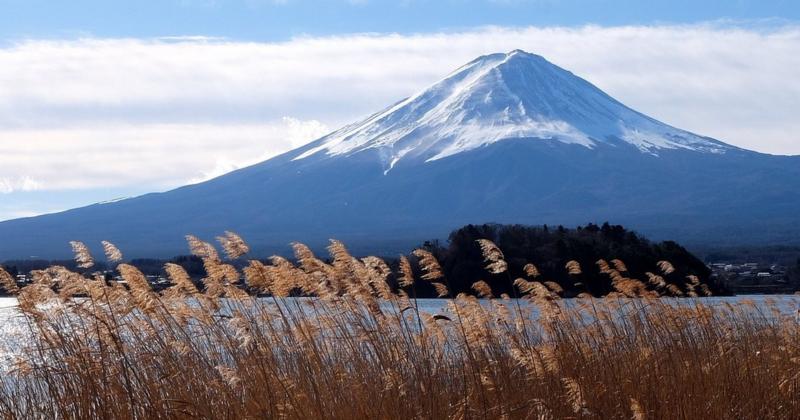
point(551, 248)
point(548, 248)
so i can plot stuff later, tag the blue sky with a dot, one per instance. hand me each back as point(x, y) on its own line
point(108, 99)
point(270, 20)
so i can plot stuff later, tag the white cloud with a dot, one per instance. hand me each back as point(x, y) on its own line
point(161, 155)
point(24, 183)
point(300, 132)
point(96, 113)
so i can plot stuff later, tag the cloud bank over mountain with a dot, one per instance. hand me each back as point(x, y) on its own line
point(106, 117)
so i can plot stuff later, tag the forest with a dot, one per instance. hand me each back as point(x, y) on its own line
point(549, 249)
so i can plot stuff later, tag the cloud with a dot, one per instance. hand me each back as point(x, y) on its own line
point(160, 155)
point(115, 113)
point(300, 132)
point(24, 183)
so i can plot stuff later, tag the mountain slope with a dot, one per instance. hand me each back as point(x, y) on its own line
point(506, 138)
point(500, 97)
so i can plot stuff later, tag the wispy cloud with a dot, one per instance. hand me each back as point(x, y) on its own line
point(155, 154)
point(92, 113)
point(23, 183)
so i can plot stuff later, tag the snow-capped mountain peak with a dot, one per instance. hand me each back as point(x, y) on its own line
point(504, 96)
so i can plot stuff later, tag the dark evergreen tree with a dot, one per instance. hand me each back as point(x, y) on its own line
point(550, 250)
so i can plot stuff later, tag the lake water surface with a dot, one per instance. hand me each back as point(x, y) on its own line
point(13, 329)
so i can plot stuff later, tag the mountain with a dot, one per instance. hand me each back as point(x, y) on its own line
point(508, 138)
point(500, 97)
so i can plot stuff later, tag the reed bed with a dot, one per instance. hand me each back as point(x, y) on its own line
point(362, 348)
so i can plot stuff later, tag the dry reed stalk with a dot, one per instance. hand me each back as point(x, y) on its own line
point(573, 268)
point(666, 267)
point(7, 282)
point(113, 254)
point(531, 270)
point(619, 265)
point(493, 256)
point(356, 352)
point(82, 255)
point(233, 245)
point(406, 278)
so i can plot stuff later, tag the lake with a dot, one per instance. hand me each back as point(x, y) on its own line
point(12, 329)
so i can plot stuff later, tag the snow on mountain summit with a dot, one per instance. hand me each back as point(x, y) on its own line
point(505, 96)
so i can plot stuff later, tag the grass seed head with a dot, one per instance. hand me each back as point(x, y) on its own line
point(82, 255)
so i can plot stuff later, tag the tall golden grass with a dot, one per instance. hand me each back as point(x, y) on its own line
point(359, 349)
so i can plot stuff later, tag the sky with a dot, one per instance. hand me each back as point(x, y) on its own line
point(107, 99)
